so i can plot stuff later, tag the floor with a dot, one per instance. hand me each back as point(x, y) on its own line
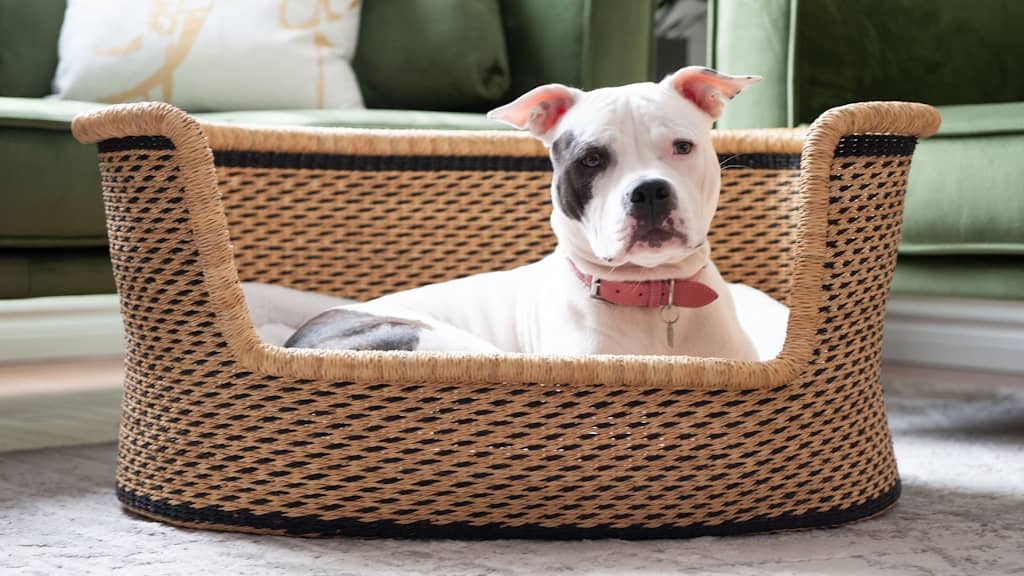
point(959, 439)
point(59, 403)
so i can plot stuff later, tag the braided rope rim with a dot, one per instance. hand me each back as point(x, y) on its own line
point(193, 143)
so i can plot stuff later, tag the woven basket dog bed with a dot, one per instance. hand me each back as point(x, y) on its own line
point(222, 431)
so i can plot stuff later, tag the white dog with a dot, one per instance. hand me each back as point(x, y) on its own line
point(636, 183)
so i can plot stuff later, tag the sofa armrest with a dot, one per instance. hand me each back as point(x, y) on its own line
point(582, 43)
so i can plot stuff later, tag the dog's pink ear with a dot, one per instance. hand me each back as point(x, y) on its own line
point(707, 88)
point(539, 109)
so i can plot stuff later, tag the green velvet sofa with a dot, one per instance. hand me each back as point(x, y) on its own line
point(421, 64)
point(963, 233)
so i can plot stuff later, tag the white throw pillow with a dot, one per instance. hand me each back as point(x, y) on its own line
point(204, 55)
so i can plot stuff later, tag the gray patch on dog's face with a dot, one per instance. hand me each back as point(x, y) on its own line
point(574, 181)
point(341, 329)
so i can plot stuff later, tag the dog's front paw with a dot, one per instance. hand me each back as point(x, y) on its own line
point(345, 329)
point(357, 329)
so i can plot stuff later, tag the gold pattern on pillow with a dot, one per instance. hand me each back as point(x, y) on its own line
point(176, 26)
point(122, 50)
point(322, 12)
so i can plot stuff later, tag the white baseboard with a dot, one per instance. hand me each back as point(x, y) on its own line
point(60, 327)
point(984, 335)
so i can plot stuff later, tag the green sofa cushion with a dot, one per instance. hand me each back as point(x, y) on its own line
point(432, 54)
point(966, 189)
point(28, 45)
point(981, 119)
point(50, 183)
point(58, 272)
point(996, 277)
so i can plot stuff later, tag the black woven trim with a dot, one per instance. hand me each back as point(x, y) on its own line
point(135, 143)
point(759, 161)
point(249, 159)
point(875, 145)
point(295, 161)
point(351, 162)
point(314, 526)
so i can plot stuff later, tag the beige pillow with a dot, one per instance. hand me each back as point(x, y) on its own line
point(211, 54)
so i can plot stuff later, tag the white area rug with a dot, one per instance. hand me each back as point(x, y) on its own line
point(960, 450)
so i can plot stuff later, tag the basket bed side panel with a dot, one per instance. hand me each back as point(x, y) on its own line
point(754, 228)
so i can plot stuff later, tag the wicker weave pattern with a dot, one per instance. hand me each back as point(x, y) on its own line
point(423, 227)
point(409, 225)
point(754, 228)
point(209, 438)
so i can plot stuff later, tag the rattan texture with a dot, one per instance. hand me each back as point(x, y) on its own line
point(222, 431)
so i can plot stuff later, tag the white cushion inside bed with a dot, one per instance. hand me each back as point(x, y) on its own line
point(277, 312)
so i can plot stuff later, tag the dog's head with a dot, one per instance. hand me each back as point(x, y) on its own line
point(635, 176)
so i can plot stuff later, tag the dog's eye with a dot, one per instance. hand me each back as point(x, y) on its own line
point(592, 159)
point(682, 146)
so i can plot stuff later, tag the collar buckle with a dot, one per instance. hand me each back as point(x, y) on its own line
point(595, 288)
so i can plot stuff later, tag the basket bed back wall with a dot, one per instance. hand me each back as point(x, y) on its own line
point(221, 431)
point(362, 225)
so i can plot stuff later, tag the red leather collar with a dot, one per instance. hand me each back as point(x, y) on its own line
point(684, 292)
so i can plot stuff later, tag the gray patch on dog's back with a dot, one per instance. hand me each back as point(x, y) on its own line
point(574, 182)
point(342, 329)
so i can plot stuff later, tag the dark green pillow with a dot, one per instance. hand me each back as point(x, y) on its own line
point(432, 54)
point(28, 46)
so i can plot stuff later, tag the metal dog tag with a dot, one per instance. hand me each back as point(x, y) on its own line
point(670, 315)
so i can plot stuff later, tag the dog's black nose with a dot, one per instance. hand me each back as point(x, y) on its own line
point(651, 199)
